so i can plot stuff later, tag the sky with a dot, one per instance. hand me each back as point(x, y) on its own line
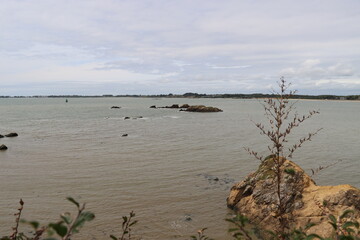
point(94, 47)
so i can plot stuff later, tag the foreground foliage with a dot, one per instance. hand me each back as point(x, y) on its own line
point(344, 228)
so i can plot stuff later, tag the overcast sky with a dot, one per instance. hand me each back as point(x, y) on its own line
point(178, 46)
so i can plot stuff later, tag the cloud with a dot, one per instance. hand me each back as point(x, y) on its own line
point(229, 46)
point(313, 69)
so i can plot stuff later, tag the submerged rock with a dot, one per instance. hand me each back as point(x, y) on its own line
point(11, 135)
point(3, 147)
point(304, 201)
point(115, 107)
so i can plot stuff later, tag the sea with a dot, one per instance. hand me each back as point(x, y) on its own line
point(174, 169)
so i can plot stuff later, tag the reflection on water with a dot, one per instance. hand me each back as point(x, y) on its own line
point(165, 169)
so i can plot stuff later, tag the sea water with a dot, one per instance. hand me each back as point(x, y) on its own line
point(174, 169)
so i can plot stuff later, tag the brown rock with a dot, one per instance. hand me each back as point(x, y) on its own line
point(185, 106)
point(3, 147)
point(11, 135)
point(202, 108)
point(305, 202)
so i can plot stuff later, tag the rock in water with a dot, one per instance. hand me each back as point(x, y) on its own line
point(202, 108)
point(256, 197)
point(185, 106)
point(11, 135)
point(1, 136)
point(3, 147)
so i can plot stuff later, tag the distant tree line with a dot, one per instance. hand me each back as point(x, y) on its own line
point(200, 95)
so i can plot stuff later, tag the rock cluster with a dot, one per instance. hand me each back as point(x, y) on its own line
point(4, 147)
point(304, 201)
point(202, 108)
point(194, 108)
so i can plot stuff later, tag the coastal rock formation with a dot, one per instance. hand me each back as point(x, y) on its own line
point(194, 108)
point(202, 108)
point(256, 198)
point(11, 135)
point(3, 147)
point(185, 106)
point(172, 106)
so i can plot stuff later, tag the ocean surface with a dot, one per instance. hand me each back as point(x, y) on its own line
point(174, 169)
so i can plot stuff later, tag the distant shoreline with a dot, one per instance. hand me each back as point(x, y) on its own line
point(196, 95)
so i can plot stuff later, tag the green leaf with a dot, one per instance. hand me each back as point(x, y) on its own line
point(60, 229)
point(290, 171)
point(346, 213)
point(343, 237)
point(88, 216)
point(309, 225)
point(34, 224)
point(332, 218)
point(238, 234)
point(73, 201)
point(313, 236)
point(66, 218)
point(80, 221)
point(113, 237)
point(333, 225)
point(348, 224)
point(133, 223)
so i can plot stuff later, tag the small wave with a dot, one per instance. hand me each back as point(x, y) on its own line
point(174, 117)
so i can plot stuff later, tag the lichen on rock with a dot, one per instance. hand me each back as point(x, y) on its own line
point(304, 201)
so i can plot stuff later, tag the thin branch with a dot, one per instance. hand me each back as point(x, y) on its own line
point(17, 220)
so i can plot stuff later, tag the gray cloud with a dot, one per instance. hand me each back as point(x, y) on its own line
point(228, 46)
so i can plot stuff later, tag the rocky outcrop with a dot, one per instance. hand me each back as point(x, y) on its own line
point(115, 107)
point(194, 108)
point(304, 201)
point(202, 108)
point(3, 147)
point(11, 135)
point(185, 106)
point(172, 106)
